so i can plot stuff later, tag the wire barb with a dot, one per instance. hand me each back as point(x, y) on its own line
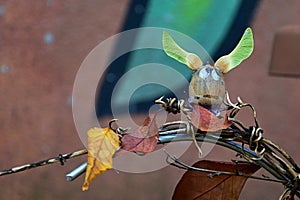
point(173, 105)
point(61, 159)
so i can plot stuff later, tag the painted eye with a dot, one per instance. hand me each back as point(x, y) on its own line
point(215, 74)
point(204, 73)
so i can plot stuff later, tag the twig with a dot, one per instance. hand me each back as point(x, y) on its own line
point(61, 158)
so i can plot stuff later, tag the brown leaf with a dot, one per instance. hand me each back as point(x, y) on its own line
point(144, 139)
point(102, 144)
point(205, 120)
point(197, 185)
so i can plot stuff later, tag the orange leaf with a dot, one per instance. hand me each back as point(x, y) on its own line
point(144, 139)
point(102, 144)
point(197, 185)
point(205, 120)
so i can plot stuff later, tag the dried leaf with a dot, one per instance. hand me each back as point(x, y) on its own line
point(102, 144)
point(197, 185)
point(205, 120)
point(144, 139)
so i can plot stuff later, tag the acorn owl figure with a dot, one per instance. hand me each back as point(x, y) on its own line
point(207, 86)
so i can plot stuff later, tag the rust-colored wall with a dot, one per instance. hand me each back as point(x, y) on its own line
point(36, 79)
point(42, 44)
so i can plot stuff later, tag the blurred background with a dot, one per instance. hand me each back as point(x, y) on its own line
point(43, 43)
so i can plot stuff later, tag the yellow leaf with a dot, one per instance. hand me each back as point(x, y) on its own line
point(102, 144)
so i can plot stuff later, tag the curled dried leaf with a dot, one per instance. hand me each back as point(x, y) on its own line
point(205, 120)
point(199, 185)
point(144, 139)
point(102, 145)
